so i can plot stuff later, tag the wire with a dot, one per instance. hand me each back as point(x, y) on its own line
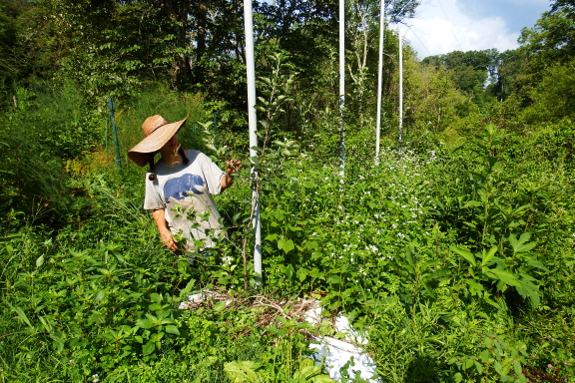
point(452, 31)
point(418, 39)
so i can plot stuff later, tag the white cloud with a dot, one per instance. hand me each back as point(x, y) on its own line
point(440, 27)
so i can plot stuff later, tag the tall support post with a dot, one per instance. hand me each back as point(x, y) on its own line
point(342, 87)
point(400, 90)
point(252, 120)
point(115, 132)
point(379, 79)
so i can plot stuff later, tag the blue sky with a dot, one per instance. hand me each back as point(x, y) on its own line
point(442, 26)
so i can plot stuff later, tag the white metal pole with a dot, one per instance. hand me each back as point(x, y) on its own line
point(342, 85)
point(252, 120)
point(400, 90)
point(379, 80)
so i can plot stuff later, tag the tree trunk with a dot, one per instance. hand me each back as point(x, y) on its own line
point(177, 12)
point(201, 33)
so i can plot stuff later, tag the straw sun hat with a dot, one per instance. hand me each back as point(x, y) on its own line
point(158, 131)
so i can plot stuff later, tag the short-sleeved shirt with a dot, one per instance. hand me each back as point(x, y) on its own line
point(185, 192)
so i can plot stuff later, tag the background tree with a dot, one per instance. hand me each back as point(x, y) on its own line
point(363, 57)
point(470, 70)
point(550, 42)
point(12, 62)
point(177, 15)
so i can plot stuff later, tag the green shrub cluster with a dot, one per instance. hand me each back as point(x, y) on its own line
point(98, 301)
point(455, 261)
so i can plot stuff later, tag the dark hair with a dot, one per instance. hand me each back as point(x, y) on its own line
point(152, 176)
point(182, 153)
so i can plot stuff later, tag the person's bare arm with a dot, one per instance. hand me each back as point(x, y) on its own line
point(165, 233)
point(231, 167)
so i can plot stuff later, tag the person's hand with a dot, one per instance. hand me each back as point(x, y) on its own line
point(233, 166)
point(169, 240)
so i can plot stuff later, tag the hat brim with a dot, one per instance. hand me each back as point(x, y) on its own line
point(139, 154)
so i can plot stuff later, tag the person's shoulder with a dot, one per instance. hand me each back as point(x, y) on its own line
point(190, 153)
point(196, 155)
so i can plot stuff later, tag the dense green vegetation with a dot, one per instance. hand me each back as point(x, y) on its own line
point(454, 254)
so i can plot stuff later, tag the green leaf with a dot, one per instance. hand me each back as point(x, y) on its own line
point(186, 290)
point(146, 323)
point(322, 379)
point(271, 237)
point(479, 368)
point(40, 261)
point(466, 254)
point(99, 296)
point(21, 315)
point(171, 329)
point(334, 279)
point(491, 302)
point(496, 166)
point(408, 256)
point(240, 372)
point(285, 245)
point(484, 355)
point(148, 348)
point(528, 290)
point(521, 208)
point(474, 287)
point(306, 372)
point(520, 245)
point(472, 204)
point(302, 273)
point(220, 306)
point(489, 256)
point(536, 263)
point(315, 273)
point(504, 276)
point(517, 367)
point(156, 337)
point(46, 323)
point(498, 368)
point(97, 317)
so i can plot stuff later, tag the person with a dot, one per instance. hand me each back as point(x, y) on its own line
point(179, 186)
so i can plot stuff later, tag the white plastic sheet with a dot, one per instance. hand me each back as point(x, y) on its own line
point(337, 353)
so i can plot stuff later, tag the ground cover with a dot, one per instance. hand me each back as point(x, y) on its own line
point(457, 265)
